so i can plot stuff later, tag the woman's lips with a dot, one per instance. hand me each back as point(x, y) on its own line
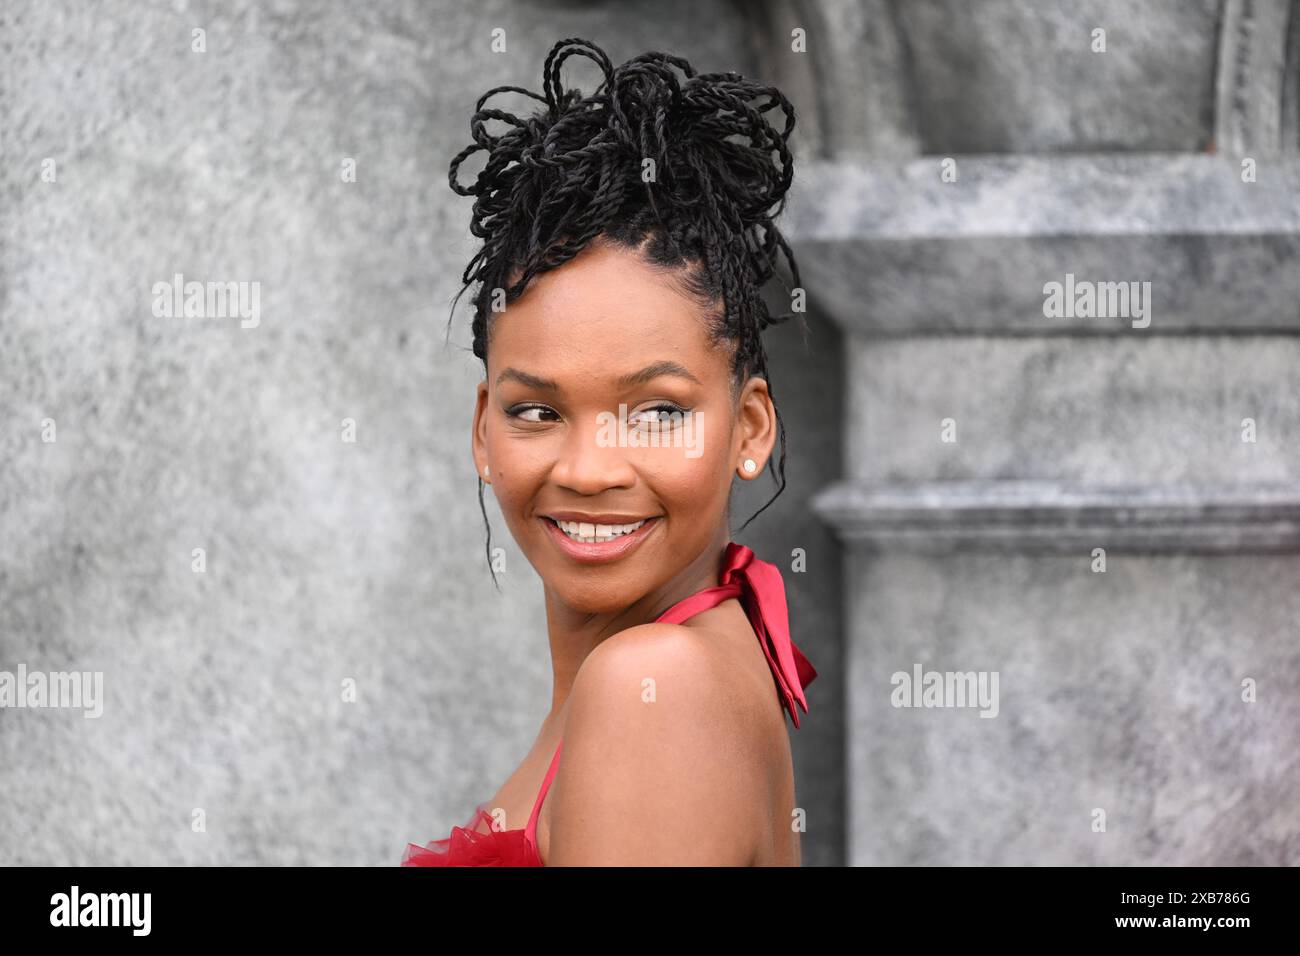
point(599, 552)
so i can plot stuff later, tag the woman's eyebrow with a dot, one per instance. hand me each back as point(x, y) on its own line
point(650, 372)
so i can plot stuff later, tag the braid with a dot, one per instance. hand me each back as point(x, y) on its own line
point(572, 174)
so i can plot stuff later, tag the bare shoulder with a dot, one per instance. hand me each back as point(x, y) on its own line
point(666, 676)
point(661, 760)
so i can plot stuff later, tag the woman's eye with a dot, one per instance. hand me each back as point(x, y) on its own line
point(529, 413)
point(666, 415)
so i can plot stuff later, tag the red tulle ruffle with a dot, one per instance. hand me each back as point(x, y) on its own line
point(469, 846)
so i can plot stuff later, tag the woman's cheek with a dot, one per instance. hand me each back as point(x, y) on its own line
point(689, 483)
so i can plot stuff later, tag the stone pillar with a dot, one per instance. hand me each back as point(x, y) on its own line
point(1097, 505)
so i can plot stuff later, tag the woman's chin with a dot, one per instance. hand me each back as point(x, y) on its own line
point(589, 597)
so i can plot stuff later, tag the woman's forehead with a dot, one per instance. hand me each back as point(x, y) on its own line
point(603, 299)
point(565, 353)
point(603, 277)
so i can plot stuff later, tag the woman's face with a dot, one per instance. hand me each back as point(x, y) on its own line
point(548, 425)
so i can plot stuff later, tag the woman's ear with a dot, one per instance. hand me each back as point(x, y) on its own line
point(478, 433)
point(756, 427)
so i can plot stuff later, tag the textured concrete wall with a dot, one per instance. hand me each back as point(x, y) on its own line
point(1118, 692)
point(950, 77)
point(325, 560)
point(1021, 76)
point(1102, 517)
point(1142, 410)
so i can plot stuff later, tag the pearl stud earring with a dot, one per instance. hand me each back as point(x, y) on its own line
point(487, 470)
point(750, 466)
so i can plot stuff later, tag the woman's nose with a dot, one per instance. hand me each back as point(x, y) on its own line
point(592, 458)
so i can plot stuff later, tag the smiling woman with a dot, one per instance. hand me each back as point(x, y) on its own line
point(627, 235)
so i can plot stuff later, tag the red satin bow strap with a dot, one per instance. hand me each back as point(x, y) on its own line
point(760, 588)
point(766, 588)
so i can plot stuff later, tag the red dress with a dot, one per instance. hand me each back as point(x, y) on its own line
point(761, 591)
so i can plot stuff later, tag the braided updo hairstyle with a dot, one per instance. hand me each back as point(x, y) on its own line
point(572, 173)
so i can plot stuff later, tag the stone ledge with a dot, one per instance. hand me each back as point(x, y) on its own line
point(1059, 517)
point(886, 247)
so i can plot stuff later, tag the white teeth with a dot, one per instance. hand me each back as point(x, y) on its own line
point(588, 533)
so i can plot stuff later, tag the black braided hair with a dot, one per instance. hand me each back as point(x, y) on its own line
point(571, 174)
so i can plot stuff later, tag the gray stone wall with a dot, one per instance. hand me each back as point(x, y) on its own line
point(325, 561)
point(1100, 512)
